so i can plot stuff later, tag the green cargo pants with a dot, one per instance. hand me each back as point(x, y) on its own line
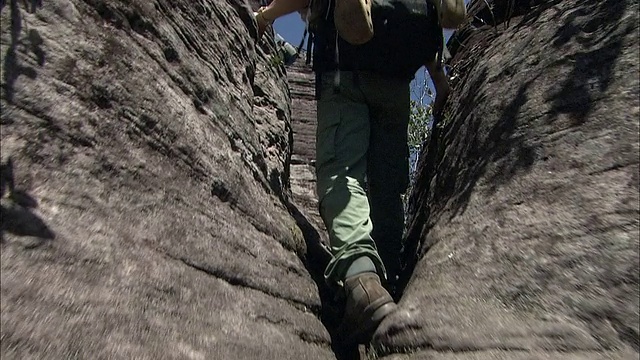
point(362, 168)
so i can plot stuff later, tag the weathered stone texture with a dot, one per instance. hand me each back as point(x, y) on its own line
point(525, 220)
point(151, 143)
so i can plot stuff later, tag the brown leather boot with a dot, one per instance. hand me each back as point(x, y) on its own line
point(367, 304)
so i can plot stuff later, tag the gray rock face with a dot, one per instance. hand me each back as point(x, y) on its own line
point(150, 147)
point(525, 217)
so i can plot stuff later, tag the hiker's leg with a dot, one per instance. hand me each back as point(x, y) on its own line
point(388, 164)
point(341, 159)
point(342, 144)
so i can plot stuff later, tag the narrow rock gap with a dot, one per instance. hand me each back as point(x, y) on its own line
point(300, 202)
point(315, 261)
point(412, 247)
point(85, 198)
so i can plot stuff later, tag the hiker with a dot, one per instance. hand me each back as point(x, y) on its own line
point(362, 157)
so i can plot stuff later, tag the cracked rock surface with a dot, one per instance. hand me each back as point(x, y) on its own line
point(525, 223)
point(149, 144)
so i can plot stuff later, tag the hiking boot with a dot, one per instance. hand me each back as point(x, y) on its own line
point(368, 303)
point(352, 19)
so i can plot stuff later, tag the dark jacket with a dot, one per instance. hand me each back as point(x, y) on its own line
point(397, 49)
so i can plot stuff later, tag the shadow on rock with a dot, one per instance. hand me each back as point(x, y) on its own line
point(453, 178)
point(20, 221)
point(332, 303)
point(13, 69)
point(459, 154)
point(592, 72)
point(16, 216)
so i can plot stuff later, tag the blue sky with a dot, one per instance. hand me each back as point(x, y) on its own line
point(291, 28)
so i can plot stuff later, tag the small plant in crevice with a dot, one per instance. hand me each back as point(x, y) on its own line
point(276, 60)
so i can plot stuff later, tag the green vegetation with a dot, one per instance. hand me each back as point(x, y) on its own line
point(420, 119)
point(421, 113)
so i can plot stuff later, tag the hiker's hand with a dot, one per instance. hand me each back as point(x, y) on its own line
point(441, 83)
point(262, 22)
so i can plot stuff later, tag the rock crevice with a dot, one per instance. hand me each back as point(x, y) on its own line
point(521, 237)
point(142, 133)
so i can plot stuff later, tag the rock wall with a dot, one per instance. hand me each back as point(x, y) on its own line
point(150, 217)
point(524, 234)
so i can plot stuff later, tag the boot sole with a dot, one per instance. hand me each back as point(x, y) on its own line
point(352, 19)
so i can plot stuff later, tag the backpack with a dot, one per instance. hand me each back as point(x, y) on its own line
point(451, 13)
point(407, 34)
